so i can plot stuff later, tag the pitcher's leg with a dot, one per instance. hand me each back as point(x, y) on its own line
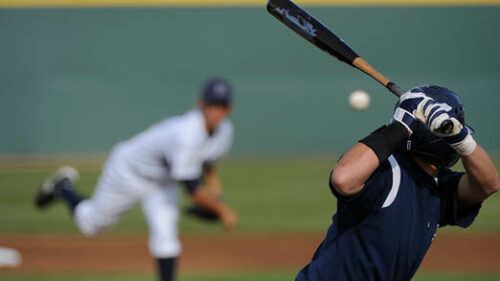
point(111, 199)
point(166, 268)
point(160, 208)
point(59, 186)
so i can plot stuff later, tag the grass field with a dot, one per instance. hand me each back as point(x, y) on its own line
point(270, 196)
point(280, 196)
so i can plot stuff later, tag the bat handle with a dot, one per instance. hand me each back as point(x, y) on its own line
point(395, 89)
point(446, 127)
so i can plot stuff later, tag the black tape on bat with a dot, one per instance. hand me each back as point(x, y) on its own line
point(395, 89)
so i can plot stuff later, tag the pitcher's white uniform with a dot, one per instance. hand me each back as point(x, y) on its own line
point(146, 169)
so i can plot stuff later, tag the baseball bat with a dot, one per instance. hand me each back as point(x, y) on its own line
point(322, 37)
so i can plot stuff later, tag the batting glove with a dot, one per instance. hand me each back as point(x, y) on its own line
point(433, 115)
point(406, 109)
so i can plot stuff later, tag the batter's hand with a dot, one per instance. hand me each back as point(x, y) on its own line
point(433, 115)
point(407, 108)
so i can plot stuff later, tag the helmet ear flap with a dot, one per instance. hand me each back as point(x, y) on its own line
point(459, 111)
point(437, 152)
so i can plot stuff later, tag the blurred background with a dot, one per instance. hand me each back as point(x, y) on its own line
point(76, 77)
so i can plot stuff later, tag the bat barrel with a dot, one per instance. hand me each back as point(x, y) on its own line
point(311, 29)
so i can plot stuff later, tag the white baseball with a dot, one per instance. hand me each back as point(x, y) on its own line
point(359, 100)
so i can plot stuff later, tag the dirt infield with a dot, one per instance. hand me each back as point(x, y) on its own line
point(128, 253)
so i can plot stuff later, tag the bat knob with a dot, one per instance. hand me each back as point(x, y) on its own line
point(446, 127)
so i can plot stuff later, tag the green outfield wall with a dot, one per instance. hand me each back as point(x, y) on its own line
point(80, 80)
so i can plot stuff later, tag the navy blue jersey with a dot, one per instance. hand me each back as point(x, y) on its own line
point(383, 232)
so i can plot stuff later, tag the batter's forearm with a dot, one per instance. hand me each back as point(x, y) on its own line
point(481, 179)
point(353, 169)
point(356, 166)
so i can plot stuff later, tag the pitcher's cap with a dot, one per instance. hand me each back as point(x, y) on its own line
point(217, 91)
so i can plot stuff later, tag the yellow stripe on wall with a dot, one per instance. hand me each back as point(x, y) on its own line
point(233, 3)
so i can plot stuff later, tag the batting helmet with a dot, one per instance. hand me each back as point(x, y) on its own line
point(423, 142)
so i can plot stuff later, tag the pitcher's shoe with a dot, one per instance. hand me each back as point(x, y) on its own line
point(48, 191)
